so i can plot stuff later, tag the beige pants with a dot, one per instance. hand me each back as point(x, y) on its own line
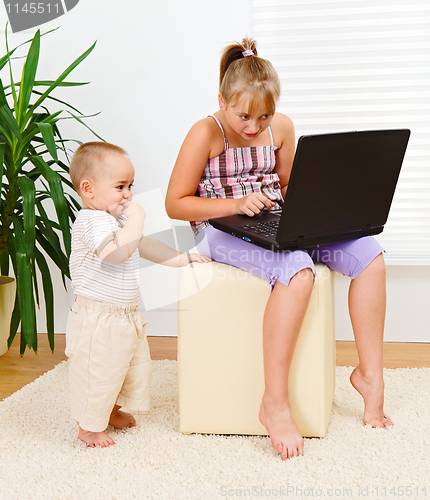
point(109, 361)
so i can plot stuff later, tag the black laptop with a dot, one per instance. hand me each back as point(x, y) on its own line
point(341, 187)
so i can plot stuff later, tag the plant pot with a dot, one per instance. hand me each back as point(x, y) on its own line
point(7, 301)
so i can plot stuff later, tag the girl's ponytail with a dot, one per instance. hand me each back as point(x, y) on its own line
point(234, 52)
point(241, 70)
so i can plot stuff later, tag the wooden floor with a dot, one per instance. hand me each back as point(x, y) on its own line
point(15, 372)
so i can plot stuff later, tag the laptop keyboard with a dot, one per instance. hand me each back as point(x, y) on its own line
point(268, 228)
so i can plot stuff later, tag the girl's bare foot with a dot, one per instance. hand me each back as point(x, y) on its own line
point(94, 439)
point(372, 391)
point(121, 420)
point(282, 429)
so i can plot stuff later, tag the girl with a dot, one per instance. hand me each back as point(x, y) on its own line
point(238, 161)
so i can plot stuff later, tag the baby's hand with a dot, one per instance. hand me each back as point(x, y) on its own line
point(132, 209)
point(129, 209)
point(186, 258)
point(253, 204)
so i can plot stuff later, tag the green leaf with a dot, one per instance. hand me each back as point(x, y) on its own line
point(62, 142)
point(66, 181)
point(14, 322)
point(28, 192)
point(48, 293)
point(28, 77)
point(10, 70)
point(59, 259)
point(24, 282)
point(48, 83)
point(8, 124)
point(22, 345)
point(58, 198)
point(55, 99)
point(26, 138)
point(48, 137)
point(35, 282)
point(85, 125)
point(55, 84)
point(2, 147)
point(5, 59)
point(47, 226)
point(52, 118)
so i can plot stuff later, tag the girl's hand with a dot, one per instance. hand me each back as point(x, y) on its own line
point(186, 258)
point(253, 204)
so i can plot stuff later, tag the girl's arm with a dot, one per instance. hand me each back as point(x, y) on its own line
point(283, 133)
point(158, 252)
point(203, 142)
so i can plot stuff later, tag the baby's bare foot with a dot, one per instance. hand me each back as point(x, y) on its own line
point(121, 420)
point(94, 439)
point(282, 429)
point(372, 392)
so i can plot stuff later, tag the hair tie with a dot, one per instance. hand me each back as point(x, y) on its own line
point(247, 53)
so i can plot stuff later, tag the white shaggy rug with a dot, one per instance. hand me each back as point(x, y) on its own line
point(40, 457)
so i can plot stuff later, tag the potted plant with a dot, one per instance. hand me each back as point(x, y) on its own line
point(33, 157)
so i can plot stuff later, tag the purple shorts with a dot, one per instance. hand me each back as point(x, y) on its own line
point(349, 258)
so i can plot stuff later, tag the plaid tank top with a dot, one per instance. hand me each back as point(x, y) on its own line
point(238, 172)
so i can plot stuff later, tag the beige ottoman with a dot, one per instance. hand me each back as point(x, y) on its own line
point(220, 357)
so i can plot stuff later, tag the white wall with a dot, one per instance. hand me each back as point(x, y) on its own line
point(408, 312)
point(153, 73)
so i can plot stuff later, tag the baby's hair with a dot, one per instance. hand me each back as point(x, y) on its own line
point(241, 73)
point(88, 159)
